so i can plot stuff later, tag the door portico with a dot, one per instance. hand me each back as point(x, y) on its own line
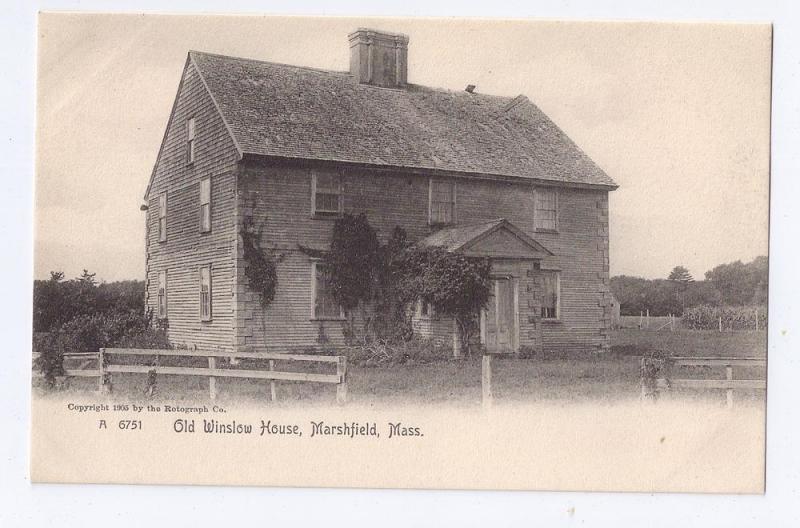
point(514, 256)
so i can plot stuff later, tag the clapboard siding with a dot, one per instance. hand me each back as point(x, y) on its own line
point(186, 248)
point(278, 197)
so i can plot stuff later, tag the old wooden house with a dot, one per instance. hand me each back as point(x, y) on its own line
point(290, 149)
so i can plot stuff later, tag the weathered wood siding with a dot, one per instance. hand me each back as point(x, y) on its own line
point(279, 200)
point(186, 249)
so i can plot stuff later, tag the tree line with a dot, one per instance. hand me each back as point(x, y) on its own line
point(731, 284)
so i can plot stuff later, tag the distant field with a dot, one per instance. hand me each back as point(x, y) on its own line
point(690, 342)
point(608, 378)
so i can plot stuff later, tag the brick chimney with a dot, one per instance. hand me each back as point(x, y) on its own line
point(379, 58)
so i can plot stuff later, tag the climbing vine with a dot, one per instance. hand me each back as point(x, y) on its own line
point(398, 274)
point(353, 260)
point(260, 268)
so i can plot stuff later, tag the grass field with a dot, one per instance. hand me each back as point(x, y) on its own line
point(589, 377)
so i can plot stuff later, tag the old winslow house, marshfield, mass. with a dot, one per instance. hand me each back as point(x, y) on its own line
point(290, 149)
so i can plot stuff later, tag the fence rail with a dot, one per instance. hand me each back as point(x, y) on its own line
point(650, 387)
point(104, 371)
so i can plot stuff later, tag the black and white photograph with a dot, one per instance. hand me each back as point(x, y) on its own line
point(278, 245)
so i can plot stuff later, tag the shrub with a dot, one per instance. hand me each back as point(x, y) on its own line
point(353, 260)
point(381, 352)
point(90, 333)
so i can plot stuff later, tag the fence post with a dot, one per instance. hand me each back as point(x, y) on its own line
point(272, 389)
point(486, 381)
point(729, 392)
point(643, 390)
point(641, 316)
point(648, 318)
point(341, 388)
point(720, 323)
point(212, 381)
point(756, 319)
point(102, 368)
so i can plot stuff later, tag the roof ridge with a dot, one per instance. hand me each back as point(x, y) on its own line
point(273, 63)
point(419, 87)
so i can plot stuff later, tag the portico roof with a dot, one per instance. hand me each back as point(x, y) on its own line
point(497, 238)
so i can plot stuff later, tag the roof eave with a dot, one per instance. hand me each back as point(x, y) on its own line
point(428, 171)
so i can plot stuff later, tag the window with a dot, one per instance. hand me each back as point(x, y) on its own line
point(162, 294)
point(545, 214)
point(551, 286)
point(205, 205)
point(325, 307)
point(162, 217)
point(205, 293)
point(326, 194)
point(190, 137)
point(442, 202)
point(425, 310)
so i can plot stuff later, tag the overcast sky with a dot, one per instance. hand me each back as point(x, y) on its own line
point(677, 115)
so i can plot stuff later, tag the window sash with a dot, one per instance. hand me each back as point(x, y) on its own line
point(326, 202)
point(190, 137)
point(325, 307)
point(551, 295)
point(442, 202)
point(425, 310)
point(205, 293)
point(162, 217)
point(205, 205)
point(327, 193)
point(546, 210)
point(162, 294)
point(205, 218)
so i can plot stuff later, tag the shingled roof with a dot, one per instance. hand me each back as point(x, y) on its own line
point(295, 112)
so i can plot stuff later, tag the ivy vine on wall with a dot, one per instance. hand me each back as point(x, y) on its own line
point(260, 266)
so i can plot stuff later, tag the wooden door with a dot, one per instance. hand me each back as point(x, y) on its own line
point(500, 321)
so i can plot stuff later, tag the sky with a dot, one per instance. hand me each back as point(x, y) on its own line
point(676, 114)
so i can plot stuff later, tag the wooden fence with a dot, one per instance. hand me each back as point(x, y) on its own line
point(104, 371)
point(729, 383)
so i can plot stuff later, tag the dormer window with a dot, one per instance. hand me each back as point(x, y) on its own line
point(441, 202)
point(191, 131)
point(326, 194)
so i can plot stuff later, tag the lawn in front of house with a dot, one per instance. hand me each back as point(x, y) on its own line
point(578, 377)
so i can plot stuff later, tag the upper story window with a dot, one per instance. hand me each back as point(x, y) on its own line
point(191, 131)
point(162, 294)
point(323, 304)
point(326, 194)
point(545, 213)
point(441, 202)
point(205, 293)
point(162, 217)
point(551, 295)
point(205, 205)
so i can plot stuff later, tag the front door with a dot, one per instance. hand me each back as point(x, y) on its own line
point(500, 321)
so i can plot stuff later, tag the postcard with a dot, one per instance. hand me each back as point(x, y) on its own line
point(401, 253)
